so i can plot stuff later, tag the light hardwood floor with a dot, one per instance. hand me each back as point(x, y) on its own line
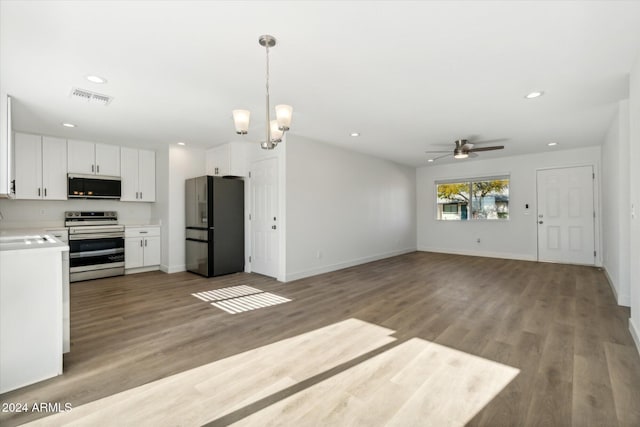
point(519, 343)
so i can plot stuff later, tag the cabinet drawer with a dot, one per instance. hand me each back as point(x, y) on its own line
point(141, 231)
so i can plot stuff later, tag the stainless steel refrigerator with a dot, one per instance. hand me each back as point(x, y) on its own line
point(215, 225)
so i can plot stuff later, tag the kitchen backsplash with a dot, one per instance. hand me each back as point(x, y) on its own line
point(50, 213)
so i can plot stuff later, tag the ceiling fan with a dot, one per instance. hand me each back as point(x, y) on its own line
point(464, 149)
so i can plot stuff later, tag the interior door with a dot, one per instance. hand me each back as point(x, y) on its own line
point(566, 215)
point(264, 217)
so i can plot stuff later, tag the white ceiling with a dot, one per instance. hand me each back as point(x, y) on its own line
point(403, 74)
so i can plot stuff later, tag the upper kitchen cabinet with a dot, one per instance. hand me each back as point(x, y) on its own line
point(40, 167)
point(93, 159)
point(228, 160)
point(138, 175)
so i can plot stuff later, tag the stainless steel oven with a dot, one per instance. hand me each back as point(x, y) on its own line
point(96, 245)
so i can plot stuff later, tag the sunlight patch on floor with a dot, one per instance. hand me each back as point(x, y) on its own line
point(238, 299)
point(415, 382)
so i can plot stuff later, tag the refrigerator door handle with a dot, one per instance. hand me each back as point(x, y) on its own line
point(197, 240)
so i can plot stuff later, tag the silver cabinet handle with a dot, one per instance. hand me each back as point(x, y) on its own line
point(145, 242)
point(136, 194)
point(140, 242)
point(45, 192)
point(93, 168)
point(141, 195)
point(38, 191)
point(540, 222)
point(143, 232)
point(98, 169)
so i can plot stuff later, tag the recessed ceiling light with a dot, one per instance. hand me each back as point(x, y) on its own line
point(552, 144)
point(535, 94)
point(430, 160)
point(355, 133)
point(68, 125)
point(96, 79)
point(181, 143)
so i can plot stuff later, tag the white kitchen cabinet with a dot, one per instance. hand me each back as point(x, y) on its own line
point(62, 234)
point(107, 160)
point(41, 167)
point(151, 254)
point(147, 175)
point(90, 158)
point(133, 252)
point(31, 331)
point(141, 248)
point(228, 160)
point(138, 169)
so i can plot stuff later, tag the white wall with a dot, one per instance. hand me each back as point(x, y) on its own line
point(515, 238)
point(615, 204)
point(50, 213)
point(183, 163)
point(634, 196)
point(349, 207)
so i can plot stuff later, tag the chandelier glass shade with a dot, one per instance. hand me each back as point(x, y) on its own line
point(274, 129)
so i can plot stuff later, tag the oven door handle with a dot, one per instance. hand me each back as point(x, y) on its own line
point(92, 236)
point(86, 254)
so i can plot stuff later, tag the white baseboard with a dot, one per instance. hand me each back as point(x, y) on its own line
point(173, 269)
point(635, 334)
point(339, 266)
point(504, 255)
point(141, 269)
point(623, 300)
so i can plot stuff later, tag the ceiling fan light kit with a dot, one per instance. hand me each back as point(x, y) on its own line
point(275, 129)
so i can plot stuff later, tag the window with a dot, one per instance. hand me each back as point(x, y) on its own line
point(477, 198)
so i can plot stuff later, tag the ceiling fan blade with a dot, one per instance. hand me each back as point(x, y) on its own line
point(497, 147)
point(471, 154)
point(440, 151)
point(491, 141)
point(440, 157)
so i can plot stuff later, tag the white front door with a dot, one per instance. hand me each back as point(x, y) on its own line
point(566, 215)
point(264, 217)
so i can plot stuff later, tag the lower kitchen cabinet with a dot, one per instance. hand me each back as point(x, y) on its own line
point(141, 249)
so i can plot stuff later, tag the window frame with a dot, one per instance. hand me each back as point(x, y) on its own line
point(470, 181)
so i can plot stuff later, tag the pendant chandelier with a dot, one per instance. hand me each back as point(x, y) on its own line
point(275, 129)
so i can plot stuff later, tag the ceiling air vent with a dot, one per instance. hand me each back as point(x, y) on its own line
point(91, 97)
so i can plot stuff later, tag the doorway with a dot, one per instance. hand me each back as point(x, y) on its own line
point(264, 217)
point(566, 215)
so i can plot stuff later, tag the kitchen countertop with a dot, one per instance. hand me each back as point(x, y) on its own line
point(29, 239)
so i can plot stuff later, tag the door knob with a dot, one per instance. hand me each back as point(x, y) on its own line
point(273, 227)
point(540, 222)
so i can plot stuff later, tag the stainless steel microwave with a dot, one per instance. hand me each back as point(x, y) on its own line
point(93, 187)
